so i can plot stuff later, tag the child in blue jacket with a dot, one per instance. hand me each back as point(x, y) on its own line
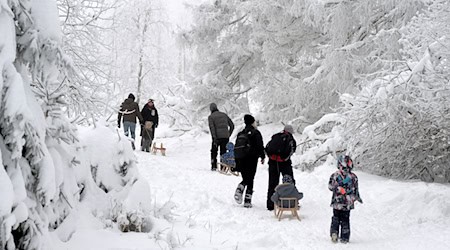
point(228, 157)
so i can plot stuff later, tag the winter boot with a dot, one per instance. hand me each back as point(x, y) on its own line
point(248, 201)
point(213, 164)
point(238, 193)
point(132, 145)
point(334, 237)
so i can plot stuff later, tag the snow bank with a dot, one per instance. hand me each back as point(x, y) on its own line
point(109, 155)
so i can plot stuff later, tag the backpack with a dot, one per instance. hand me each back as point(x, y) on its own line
point(242, 145)
point(279, 145)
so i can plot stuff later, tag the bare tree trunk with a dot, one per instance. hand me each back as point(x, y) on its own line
point(139, 78)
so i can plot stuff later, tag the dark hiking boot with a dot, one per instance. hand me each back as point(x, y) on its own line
point(334, 237)
point(132, 145)
point(344, 241)
point(238, 193)
point(248, 201)
point(270, 205)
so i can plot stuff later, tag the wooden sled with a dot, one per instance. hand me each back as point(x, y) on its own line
point(155, 149)
point(226, 169)
point(280, 209)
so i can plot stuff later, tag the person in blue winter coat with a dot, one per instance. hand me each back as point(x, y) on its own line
point(228, 157)
point(344, 185)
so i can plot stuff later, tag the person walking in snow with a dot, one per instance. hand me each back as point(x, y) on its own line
point(129, 110)
point(344, 185)
point(248, 148)
point(221, 128)
point(279, 150)
point(149, 114)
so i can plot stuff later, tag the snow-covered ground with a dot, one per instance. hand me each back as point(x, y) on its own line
point(395, 214)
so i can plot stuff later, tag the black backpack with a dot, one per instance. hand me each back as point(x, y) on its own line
point(242, 145)
point(279, 145)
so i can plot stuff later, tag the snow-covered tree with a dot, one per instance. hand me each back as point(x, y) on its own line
point(87, 27)
point(44, 172)
point(398, 124)
point(306, 51)
point(34, 131)
point(144, 49)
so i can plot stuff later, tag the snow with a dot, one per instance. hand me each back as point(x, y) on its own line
point(8, 41)
point(193, 208)
point(44, 13)
point(105, 151)
point(6, 192)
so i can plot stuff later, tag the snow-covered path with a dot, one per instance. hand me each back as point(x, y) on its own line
point(395, 214)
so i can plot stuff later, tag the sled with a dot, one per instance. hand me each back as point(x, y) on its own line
point(226, 169)
point(279, 209)
point(161, 149)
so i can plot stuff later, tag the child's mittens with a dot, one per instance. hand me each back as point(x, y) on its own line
point(341, 190)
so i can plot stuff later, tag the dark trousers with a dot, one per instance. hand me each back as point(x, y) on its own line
point(275, 168)
point(341, 219)
point(221, 143)
point(247, 166)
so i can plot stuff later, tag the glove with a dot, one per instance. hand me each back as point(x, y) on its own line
point(341, 190)
point(156, 125)
point(359, 200)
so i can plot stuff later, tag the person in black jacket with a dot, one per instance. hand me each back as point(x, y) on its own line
point(247, 165)
point(221, 127)
point(278, 164)
point(150, 113)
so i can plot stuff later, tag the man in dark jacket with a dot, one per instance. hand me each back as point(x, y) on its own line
point(150, 113)
point(129, 110)
point(278, 164)
point(221, 128)
point(247, 165)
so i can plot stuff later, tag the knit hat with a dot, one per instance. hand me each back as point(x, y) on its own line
point(213, 107)
point(249, 120)
point(289, 128)
point(131, 96)
point(288, 179)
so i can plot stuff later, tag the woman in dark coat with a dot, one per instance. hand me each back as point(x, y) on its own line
point(247, 165)
point(150, 113)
